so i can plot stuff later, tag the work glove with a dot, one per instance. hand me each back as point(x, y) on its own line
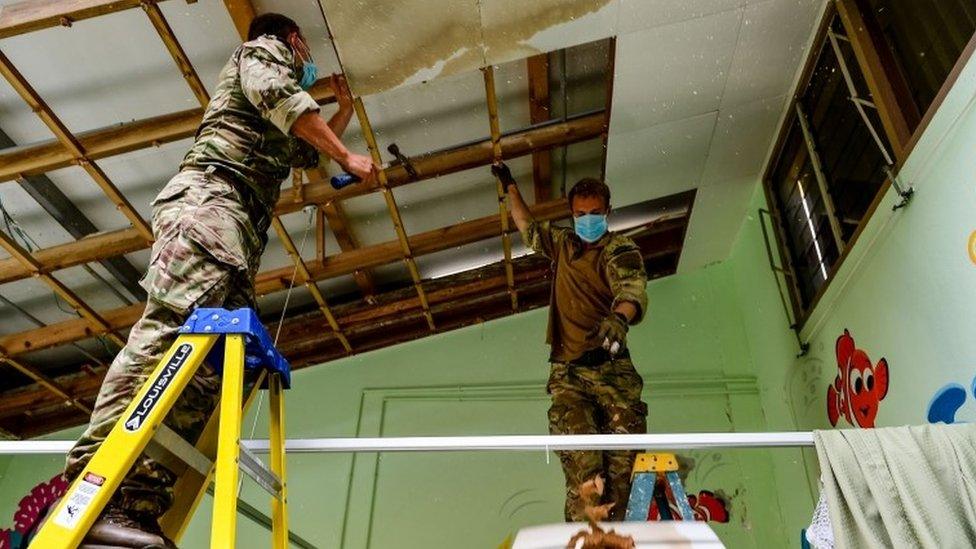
point(612, 333)
point(500, 170)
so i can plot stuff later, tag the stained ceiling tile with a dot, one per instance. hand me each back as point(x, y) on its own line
point(515, 29)
point(672, 72)
point(388, 44)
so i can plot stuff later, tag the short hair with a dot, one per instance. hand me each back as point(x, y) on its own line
point(274, 24)
point(590, 186)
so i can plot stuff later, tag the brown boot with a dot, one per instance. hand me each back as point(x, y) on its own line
point(118, 529)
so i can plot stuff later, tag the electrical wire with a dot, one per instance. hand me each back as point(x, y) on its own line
point(21, 237)
point(281, 321)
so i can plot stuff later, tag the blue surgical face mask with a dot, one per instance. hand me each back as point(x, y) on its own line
point(591, 227)
point(310, 73)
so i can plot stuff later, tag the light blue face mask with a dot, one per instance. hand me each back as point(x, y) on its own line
point(591, 227)
point(310, 73)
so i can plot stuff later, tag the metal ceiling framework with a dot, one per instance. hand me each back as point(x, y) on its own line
point(459, 300)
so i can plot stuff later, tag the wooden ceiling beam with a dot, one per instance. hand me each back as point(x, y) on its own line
point(33, 15)
point(46, 383)
point(278, 279)
point(62, 291)
point(301, 270)
point(391, 206)
point(421, 244)
point(79, 252)
point(176, 51)
point(241, 13)
point(459, 300)
point(492, 103)
point(335, 216)
point(118, 139)
point(540, 111)
point(37, 400)
point(459, 158)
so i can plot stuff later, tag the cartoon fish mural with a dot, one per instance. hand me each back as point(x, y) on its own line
point(859, 387)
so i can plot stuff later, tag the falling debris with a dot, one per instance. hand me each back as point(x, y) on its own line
point(596, 537)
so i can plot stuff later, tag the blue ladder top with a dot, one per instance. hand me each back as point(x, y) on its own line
point(259, 349)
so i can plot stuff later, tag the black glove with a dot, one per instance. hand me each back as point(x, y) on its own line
point(612, 333)
point(500, 170)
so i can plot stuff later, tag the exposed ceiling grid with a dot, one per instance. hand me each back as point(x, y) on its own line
point(699, 86)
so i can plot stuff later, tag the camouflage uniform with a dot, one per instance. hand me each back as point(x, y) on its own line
point(210, 223)
point(591, 392)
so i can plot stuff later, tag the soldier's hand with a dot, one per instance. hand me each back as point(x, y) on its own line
point(359, 165)
point(612, 333)
point(500, 170)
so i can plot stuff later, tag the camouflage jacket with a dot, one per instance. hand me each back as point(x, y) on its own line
point(245, 129)
point(588, 283)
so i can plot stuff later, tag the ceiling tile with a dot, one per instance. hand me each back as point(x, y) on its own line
point(515, 29)
point(742, 138)
point(772, 45)
point(673, 72)
point(659, 160)
point(715, 221)
point(644, 14)
point(101, 71)
point(404, 42)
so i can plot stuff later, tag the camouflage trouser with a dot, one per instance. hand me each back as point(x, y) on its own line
point(601, 399)
point(206, 255)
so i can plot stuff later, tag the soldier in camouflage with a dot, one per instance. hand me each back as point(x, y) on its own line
point(210, 223)
point(598, 290)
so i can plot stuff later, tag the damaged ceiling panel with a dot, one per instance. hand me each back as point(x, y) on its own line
point(385, 45)
point(388, 44)
point(514, 29)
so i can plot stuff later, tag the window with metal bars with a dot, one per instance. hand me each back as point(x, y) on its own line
point(835, 153)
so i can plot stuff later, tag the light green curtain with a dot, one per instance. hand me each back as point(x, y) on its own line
point(900, 486)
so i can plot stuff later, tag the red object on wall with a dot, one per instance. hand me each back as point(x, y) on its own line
point(859, 387)
point(32, 508)
point(706, 505)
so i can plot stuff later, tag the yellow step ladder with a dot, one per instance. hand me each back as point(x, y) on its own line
point(231, 342)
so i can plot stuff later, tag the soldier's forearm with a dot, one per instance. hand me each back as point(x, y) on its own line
point(628, 309)
point(340, 120)
point(520, 212)
point(316, 132)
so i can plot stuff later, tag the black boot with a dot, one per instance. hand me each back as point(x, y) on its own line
point(118, 529)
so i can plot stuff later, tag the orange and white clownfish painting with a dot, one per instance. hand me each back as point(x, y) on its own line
point(859, 387)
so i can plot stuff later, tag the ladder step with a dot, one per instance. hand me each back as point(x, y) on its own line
point(167, 446)
point(257, 470)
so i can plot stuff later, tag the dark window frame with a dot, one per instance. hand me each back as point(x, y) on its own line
point(901, 124)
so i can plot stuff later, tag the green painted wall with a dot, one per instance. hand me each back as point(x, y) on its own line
point(489, 379)
point(904, 293)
